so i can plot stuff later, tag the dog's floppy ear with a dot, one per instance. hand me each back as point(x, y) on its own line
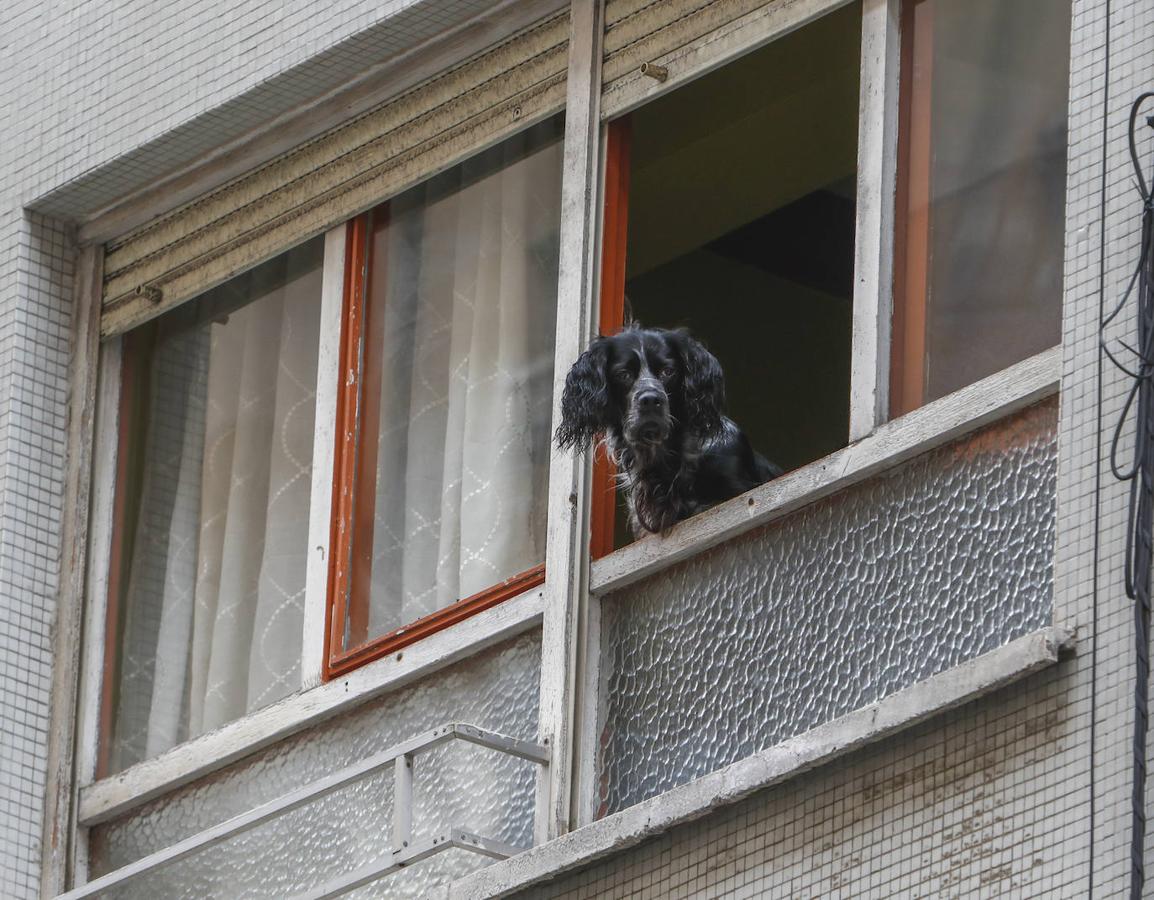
point(585, 400)
point(704, 384)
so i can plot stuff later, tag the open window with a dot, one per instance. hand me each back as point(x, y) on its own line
point(446, 397)
point(981, 191)
point(730, 210)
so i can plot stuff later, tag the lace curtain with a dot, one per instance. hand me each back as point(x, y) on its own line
point(217, 495)
point(466, 275)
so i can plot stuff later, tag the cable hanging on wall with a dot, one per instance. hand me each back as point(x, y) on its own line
point(1136, 361)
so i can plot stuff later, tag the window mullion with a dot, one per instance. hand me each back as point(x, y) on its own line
point(566, 554)
point(877, 172)
point(324, 446)
point(94, 664)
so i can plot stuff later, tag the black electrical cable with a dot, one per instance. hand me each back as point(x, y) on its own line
point(1139, 368)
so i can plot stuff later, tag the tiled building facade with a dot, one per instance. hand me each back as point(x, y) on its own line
point(1022, 792)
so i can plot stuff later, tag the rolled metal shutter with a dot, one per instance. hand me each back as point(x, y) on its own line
point(688, 37)
point(335, 176)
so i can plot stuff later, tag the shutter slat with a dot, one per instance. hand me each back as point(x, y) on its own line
point(649, 20)
point(337, 175)
point(616, 10)
point(689, 37)
point(659, 30)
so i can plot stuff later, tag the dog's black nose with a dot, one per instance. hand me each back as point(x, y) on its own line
point(651, 401)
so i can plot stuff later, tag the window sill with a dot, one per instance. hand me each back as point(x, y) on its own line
point(113, 796)
point(821, 745)
point(895, 442)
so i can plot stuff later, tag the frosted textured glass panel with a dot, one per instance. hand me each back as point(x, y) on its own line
point(458, 783)
point(843, 602)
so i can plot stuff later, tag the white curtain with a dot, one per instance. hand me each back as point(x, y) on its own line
point(469, 266)
point(211, 619)
point(216, 584)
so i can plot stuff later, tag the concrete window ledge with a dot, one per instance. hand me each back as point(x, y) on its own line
point(776, 764)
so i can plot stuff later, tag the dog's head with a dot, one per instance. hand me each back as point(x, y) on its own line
point(642, 386)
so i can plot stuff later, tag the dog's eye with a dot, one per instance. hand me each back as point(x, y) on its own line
point(667, 373)
point(624, 376)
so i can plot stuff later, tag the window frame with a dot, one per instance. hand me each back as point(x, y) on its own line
point(913, 212)
point(874, 238)
point(566, 604)
point(354, 494)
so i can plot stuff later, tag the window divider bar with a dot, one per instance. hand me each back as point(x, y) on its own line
point(324, 447)
point(874, 242)
point(567, 541)
point(69, 739)
point(100, 523)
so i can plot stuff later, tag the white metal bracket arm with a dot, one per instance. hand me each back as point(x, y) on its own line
point(454, 837)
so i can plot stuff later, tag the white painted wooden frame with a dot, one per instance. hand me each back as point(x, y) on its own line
point(59, 836)
point(95, 593)
point(587, 678)
point(874, 241)
point(324, 449)
point(567, 548)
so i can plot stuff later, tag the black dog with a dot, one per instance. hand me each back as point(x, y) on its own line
point(656, 397)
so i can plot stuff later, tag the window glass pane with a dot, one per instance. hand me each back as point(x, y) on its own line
point(834, 607)
point(458, 377)
point(211, 528)
point(979, 277)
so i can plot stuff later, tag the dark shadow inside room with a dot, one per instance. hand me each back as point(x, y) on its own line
point(741, 228)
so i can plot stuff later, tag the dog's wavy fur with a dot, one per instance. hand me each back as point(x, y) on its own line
point(657, 399)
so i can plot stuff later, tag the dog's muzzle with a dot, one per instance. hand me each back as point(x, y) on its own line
point(649, 423)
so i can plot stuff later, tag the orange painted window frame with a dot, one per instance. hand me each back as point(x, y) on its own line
point(611, 314)
point(354, 482)
point(912, 213)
